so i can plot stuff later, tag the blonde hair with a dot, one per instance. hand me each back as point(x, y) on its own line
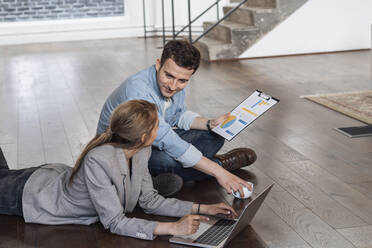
point(129, 122)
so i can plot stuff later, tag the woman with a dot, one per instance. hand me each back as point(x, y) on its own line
point(109, 178)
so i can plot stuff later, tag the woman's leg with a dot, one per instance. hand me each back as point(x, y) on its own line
point(12, 183)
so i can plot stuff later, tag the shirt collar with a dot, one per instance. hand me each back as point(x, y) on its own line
point(154, 82)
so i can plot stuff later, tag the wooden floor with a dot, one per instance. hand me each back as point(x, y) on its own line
point(50, 100)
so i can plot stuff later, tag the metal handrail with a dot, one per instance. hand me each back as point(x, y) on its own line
point(219, 21)
point(163, 21)
point(196, 18)
point(144, 18)
point(190, 22)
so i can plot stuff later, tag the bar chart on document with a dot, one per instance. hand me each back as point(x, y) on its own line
point(245, 113)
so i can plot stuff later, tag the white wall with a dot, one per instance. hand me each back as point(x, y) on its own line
point(130, 25)
point(319, 26)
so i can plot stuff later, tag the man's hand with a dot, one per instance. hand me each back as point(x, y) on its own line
point(219, 120)
point(200, 123)
point(227, 180)
point(231, 182)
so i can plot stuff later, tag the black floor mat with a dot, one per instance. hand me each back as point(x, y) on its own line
point(354, 132)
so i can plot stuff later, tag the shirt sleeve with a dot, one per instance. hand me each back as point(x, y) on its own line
point(104, 197)
point(186, 119)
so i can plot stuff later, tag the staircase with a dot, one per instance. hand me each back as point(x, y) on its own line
point(244, 27)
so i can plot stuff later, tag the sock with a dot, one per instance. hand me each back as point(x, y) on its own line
point(3, 163)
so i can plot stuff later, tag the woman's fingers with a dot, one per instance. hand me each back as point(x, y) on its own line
point(194, 222)
point(198, 218)
point(223, 208)
point(228, 209)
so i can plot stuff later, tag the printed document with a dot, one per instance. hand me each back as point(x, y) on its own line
point(244, 114)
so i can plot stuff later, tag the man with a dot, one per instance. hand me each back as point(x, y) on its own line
point(184, 144)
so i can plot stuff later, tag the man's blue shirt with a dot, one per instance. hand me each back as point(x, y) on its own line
point(143, 85)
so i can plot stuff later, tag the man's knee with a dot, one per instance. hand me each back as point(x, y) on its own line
point(218, 140)
point(161, 162)
point(214, 140)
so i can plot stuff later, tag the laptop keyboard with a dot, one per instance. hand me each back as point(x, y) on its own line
point(216, 233)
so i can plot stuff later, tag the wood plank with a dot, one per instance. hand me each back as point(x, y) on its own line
point(356, 202)
point(75, 127)
point(268, 225)
point(364, 188)
point(276, 233)
point(361, 237)
point(309, 226)
point(308, 194)
point(65, 236)
point(56, 147)
point(9, 232)
point(79, 96)
point(273, 146)
point(8, 98)
point(30, 144)
point(328, 161)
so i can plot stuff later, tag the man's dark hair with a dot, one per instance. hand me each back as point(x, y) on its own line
point(182, 53)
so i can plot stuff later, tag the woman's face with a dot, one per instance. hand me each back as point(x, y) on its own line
point(153, 134)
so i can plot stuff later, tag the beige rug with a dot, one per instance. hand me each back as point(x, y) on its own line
point(354, 104)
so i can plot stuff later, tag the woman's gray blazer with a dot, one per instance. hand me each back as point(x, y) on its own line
point(102, 190)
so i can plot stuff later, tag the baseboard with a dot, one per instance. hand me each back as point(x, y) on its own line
point(74, 30)
point(304, 54)
point(67, 30)
point(75, 35)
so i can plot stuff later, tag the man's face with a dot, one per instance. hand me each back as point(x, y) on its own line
point(171, 77)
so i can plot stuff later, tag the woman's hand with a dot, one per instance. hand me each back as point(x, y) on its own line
point(187, 225)
point(218, 208)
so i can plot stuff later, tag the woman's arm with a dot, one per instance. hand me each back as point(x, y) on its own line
point(153, 203)
point(104, 196)
point(218, 208)
point(188, 224)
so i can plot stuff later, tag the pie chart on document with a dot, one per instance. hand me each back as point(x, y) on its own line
point(229, 121)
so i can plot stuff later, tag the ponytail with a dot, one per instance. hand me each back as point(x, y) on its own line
point(99, 140)
point(129, 121)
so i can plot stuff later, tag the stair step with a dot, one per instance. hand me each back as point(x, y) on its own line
point(258, 3)
point(244, 27)
point(259, 9)
point(246, 15)
point(223, 30)
point(209, 47)
point(252, 9)
point(214, 42)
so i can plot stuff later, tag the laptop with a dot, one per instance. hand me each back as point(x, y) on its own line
point(218, 232)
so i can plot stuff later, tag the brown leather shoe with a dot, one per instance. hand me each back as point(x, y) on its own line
point(237, 158)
